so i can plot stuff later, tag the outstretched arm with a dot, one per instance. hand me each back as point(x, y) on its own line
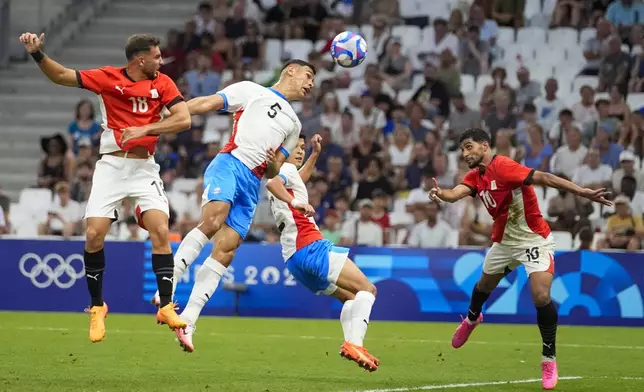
point(178, 121)
point(307, 169)
point(450, 195)
point(54, 71)
point(201, 105)
point(552, 181)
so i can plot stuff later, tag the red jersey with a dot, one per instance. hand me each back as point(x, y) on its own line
point(505, 189)
point(126, 103)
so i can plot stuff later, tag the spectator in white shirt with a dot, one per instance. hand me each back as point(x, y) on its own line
point(401, 147)
point(627, 169)
point(476, 223)
point(432, 232)
point(593, 174)
point(549, 105)
point(557, 134)
point(205, 19)
point(571, 155)
point(368, 114)
point(439, 41)
point(362, 231)
point(64, 215)
point(585, 111)
point(418, 197)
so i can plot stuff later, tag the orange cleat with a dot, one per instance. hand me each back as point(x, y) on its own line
point(97, 315)
point(359, 355)
point(168, 315)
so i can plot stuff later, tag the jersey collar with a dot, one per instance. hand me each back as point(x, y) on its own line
point(277, 93)
point(482, 169)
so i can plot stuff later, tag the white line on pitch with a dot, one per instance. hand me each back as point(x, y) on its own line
point(464, 385)
point(308, 337)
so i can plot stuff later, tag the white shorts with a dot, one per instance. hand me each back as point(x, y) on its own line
point(536, 257)
point(117, 178)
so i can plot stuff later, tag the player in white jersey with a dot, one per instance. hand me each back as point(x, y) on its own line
point(315, 262)
point(265, 123)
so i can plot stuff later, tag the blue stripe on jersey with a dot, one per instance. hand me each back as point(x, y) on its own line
point(277, 93)
point(225, 109)
point(284, 178)
point(285, 152)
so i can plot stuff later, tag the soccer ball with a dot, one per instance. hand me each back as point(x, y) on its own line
point(349, 49)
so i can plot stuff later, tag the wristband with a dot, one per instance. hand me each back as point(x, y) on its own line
point(294, 203)
point(38, 56)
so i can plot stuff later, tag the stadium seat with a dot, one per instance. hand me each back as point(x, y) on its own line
point(482, 81)
point(297, 48)
point(580, 81)
point(596, 238)
point(185, 185)
point(343, 97)
point(549, 194)
point(35, 196)
point(273, 53)
point(548, 8)
point(518, 53)
point(635, 101)
point(410, 35)
point(563, 240)
point(178, 201)
point(563, 37)
point(532, 9)
point(586, 34)
point(419, 80)
point(550, 55)
point(533, 36)
point(468, 85)
point(404, 96)
point(452, 241)
point(506, 36)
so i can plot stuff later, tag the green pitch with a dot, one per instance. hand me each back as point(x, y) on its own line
point(51, 352)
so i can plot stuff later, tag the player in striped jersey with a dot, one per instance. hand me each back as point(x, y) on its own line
point(315, 262)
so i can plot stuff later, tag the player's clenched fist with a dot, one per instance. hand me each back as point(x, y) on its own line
point(33, 43)
point(316, 143)
point(434, 193)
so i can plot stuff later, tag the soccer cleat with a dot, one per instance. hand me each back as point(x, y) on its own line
point(549, 374)
point(464, 331)
point(184, 335)
point(97, 315)
point(359, 355)
point(168, 315)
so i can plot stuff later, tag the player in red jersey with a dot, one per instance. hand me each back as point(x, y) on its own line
point(520, 235)
point(131, 99)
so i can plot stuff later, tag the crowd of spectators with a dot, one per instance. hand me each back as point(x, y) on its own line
point(392, 124)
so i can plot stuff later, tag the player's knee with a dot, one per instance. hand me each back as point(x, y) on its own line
point(541, 298)
point(94, 239)
point(159, 234)
point(371, 288)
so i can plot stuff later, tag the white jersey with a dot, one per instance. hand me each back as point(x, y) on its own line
point(297, 231)
point(263, 119)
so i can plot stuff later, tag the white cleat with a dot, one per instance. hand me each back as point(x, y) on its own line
point(184, 336)
point(155, 300)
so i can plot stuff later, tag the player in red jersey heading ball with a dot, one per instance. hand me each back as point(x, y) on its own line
point(131, 99)
point(520, 235)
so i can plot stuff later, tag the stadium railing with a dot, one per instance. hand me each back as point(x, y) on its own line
point(590, 288)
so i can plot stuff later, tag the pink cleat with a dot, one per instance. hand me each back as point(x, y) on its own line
point(549, 374)
point(184, 335)
point(464, 331)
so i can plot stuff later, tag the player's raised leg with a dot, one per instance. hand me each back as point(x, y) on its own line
point(94, 258)
point(496, 261)
point(350, 278)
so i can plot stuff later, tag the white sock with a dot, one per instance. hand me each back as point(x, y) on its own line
point(188, 251)
point(206, 283)
point(360, 316)
point(346, 319)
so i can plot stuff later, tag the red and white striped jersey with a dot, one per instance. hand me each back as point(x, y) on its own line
point(297, 231)
point(506, 191)
point(127, 103)
point(263, 118)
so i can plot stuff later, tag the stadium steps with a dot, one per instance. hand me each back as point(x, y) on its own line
point(23, 89)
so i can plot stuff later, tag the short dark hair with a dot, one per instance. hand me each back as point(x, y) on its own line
point(139, 43)
point(477, 135)
point(566, 112)
point(80, 104)
point(529, 108)
point(300, 63)
point(303, 136)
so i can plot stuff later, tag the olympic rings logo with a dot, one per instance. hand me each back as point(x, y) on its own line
point(52, 267)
